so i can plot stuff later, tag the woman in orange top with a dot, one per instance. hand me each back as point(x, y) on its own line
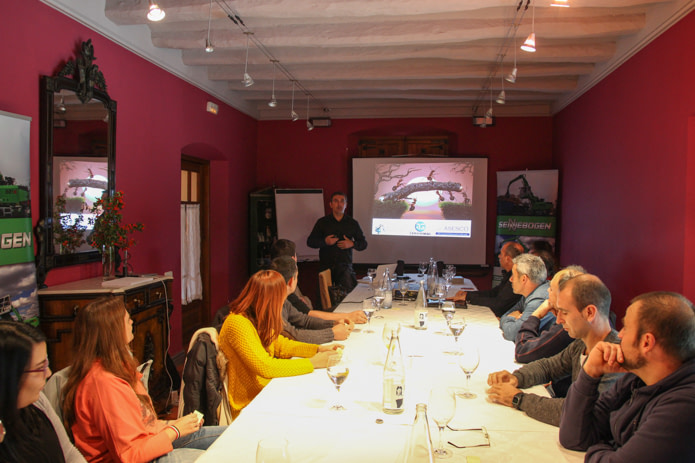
point(251, 340)
point(106, 405)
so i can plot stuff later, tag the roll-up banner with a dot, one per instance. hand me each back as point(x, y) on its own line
point(526, 209)
point(18, 298)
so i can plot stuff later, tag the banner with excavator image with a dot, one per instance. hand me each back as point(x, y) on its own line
point(526, 210)
point(18, 291)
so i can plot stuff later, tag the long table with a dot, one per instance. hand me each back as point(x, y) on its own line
point(298, 407)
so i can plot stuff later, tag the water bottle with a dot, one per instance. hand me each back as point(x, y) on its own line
point(394, 378)
point(388, 293)
point(420, 322)
point(421, 301)
point(419, 448)
point(431, 278)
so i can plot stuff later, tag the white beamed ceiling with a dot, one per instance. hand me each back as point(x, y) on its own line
point(390, 58)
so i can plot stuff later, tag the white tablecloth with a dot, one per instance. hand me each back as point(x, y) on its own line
point(298, 407)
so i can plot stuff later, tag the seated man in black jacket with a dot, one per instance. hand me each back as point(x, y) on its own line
point(283, 247)
point(500, 298)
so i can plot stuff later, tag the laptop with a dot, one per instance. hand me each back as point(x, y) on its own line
point(379, 278)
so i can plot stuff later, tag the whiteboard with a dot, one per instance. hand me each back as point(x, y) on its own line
point(297, 211)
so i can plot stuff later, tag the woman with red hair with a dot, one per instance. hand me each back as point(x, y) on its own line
point(106, 405)
point(251, 340)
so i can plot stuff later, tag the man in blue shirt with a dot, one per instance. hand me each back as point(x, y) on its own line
point(529, 279)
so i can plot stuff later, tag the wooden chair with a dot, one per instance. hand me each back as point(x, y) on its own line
point(324, 282)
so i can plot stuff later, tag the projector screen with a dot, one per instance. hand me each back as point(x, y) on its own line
point(416, 208)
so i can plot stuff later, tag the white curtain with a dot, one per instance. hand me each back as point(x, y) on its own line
point(191, 284)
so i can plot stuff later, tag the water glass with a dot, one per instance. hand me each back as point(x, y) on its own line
point(273, 450)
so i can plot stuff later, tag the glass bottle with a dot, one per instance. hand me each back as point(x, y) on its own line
point(388, 293)
point(431, 278)
point(419, 448)
point(394, 377)
point(420, 301)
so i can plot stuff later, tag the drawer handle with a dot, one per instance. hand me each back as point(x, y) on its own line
point(75, 309)
point(137, 301)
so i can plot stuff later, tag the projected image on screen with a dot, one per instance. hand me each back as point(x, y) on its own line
point(423, 199)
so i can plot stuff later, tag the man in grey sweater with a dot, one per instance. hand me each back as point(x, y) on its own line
point(583, 305)
point(302, 327)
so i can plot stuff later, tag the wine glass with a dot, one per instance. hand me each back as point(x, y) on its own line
point(469, 361)
point(456, 326)
point(441, 408)
point(448, 311)
point(337, 370)
point(422, 268)
point(403, 288)
point(368, 309)
point(371, 273)
point(272, 450)
point(439, 291)
point(379, 296)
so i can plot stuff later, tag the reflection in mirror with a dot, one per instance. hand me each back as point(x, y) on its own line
point(80, 169)
point(78, 132)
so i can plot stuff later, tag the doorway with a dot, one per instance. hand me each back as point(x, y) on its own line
point(195, 246)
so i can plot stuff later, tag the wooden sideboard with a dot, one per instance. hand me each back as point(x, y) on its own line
point(149, 304)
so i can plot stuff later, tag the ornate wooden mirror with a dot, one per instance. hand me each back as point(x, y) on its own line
point(78, 160)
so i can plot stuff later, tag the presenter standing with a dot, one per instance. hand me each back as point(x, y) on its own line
point(335, 235)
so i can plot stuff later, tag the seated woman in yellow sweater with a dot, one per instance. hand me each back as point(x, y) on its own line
point(251, 340)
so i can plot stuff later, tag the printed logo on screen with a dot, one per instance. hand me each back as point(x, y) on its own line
point(420, 226)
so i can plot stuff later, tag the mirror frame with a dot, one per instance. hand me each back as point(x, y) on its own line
point(47, 257)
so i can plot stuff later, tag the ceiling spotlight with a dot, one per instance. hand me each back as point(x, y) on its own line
point(309, 125)
point(155, 13)
point(208, 43)
point(501, 98)
point(247, 81)
point(293, 113)
point(273, 102)
point(511, 77)
point(60, 107)
point(530, 43)
point(488, 114)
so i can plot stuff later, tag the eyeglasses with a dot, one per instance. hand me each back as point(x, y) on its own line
point(43, 369)
point(486, 436)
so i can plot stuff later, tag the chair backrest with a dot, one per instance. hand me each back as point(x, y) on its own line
point(324, 283)
point(54, 387)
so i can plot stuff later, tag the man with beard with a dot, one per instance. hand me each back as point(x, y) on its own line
point(649, 414)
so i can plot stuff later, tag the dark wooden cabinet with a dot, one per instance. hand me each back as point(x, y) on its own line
point(263, 229)
point(149, 304)
point(403, 146)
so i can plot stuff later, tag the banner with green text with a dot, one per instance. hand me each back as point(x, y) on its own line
point(526, 210)
point(18, 298)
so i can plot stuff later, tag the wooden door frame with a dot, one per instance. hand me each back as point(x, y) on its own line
point(202, 166)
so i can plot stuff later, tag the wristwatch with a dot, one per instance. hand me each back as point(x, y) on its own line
point(516, 401)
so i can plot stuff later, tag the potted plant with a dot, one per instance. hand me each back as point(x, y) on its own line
point(109, 233)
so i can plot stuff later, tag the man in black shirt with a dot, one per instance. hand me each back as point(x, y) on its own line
point(335, 235)
point(500, 298)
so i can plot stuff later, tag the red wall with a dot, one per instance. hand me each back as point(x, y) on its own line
point(626, 173)
point(289, 156)
point(159, 118)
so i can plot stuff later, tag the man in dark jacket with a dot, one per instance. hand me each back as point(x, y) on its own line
point(500, 298)
point(335, 236)
point(649, 414)
point(583, 305)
